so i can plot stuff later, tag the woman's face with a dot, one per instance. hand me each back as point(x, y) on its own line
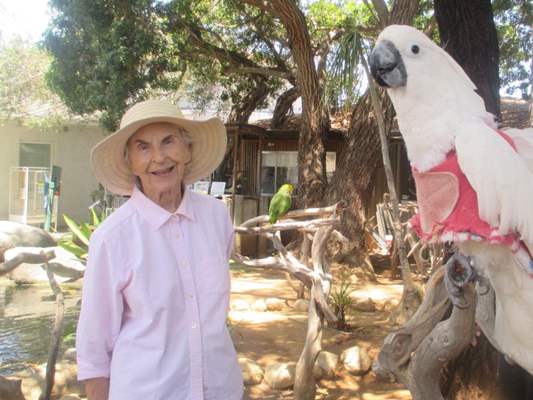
point(157, 154)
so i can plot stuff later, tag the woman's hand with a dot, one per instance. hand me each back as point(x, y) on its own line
point(97, 388)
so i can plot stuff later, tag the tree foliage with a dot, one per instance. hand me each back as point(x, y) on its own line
point(24, 94)
point(110, 54)
point(514, 22)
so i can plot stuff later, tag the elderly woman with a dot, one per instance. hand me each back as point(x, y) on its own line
point(156, 290)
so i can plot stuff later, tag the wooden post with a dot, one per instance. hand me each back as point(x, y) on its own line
point(304, 382)
point(410, 298)
point(234, 177)
point(57, 336)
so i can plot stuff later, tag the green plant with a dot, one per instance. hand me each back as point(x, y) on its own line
point(340, 299)
point(77, 242)
point(69, 334)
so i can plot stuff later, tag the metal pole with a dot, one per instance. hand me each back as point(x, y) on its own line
point(26, 193)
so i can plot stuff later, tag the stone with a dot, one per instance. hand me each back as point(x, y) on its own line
point(235, 316)
point(70, 354)
point(280, 375)
point(356, 360)
point(366, 305)
point(14, 234)
point(326, 365)
point(239, 305)
point(275, 304)
point(259, 305)
point(301, 305)
point(65, 380)
point(252, 373)
point(10, 389)
point(341, 338)
point(389, 305)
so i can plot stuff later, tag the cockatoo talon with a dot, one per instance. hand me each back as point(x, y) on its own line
point(484, 285)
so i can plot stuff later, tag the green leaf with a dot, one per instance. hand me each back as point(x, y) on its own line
point(73, 226)
point(73, 248)
point(86, 230)
point(96, 220)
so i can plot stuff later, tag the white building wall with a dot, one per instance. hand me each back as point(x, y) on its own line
point(70, 150)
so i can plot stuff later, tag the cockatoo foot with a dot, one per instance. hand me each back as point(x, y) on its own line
point(459, 272)
point(484, 284)
point(525, 260)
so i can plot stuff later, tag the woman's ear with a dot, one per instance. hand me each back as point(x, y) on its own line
point(188, 154)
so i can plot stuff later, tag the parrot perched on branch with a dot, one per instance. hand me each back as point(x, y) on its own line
point(474, 182)
point(281, 202)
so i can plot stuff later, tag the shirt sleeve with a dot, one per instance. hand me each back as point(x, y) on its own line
point(101, 312)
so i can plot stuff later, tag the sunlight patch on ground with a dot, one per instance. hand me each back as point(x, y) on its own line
point(378, 293)
point(254, 317)
point(400, 394)
point(245, 285)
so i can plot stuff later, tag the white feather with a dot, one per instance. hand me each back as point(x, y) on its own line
point(500, 177)
point(438, 110)
point(436, 100)
point(514, 302)
point(523, 139)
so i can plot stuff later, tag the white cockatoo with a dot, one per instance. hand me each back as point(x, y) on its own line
point(474, 182)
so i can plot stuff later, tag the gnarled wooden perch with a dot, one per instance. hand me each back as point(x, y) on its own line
point(416, 353)
point(316, 225)
point(13, 258)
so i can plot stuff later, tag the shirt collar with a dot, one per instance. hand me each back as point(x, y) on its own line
point(156, 215)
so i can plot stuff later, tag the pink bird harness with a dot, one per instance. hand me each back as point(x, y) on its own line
point(448, 206)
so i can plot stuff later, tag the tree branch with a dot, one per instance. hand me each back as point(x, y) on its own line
point(258, 70)
point(383, 13)
point(305, 213)
point(17, 255)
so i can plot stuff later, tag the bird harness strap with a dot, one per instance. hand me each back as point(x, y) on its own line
point(448, 206)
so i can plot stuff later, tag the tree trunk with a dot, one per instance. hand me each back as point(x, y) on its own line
point(311, 150)
point(360, 158)
point(240, 112)
point(468, 34)
point(283, 106)
point(461, 383)
point(357, 165)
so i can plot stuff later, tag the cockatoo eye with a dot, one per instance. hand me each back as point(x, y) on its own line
point(415, 49)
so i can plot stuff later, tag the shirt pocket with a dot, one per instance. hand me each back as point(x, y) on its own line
point(213, 275)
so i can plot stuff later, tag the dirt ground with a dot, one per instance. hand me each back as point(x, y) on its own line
point(278, 336)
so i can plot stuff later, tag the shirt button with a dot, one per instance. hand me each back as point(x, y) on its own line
point(193, 326)
point(190, 296)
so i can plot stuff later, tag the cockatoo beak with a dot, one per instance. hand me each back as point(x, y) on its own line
point(386, 65)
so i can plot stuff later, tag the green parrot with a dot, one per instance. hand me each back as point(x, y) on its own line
point(280, 203)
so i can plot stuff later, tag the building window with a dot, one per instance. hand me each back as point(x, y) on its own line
point(280, 167)
point(37, 155)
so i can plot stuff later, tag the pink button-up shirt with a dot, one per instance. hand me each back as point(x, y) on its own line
point(155, 303)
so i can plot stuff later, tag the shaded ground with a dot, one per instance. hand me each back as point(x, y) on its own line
point(274, 336)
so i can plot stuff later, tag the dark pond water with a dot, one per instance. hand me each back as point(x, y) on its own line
point(26, 319)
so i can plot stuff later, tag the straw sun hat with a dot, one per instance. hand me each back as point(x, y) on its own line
point(208, 145)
